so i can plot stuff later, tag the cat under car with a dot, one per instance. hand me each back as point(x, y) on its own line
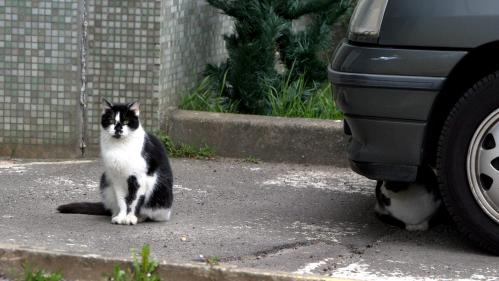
point(137, 181)
point(409, 205)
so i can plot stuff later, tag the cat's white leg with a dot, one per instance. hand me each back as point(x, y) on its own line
point(120, 218)
point(130, 201)
point(135, 206)
point(108, 198)
point(417, 227)
point(135, 198)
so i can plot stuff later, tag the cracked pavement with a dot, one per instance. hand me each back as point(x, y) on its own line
point(282, 217)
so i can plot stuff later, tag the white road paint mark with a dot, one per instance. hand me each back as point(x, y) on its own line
point(347, 181)
point(324, 232)
point(91, 256)
point(65, 181)
point(177, 188)
point(242, 227)
point(76, 245)
point(8, 164)
point(254, 169)
point(7, 216)
point(399, 262)
point(362, 271)
point(13, 167)
point(309, 268)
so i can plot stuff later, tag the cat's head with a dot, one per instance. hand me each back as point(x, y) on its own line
point(120, 120)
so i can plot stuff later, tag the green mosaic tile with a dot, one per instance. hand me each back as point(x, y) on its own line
point(122, 57)
point(29, 67)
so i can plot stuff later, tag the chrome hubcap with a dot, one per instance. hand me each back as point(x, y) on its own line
point(483, 165)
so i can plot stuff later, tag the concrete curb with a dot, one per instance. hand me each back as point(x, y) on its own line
point(273, 139)
point(93, 267)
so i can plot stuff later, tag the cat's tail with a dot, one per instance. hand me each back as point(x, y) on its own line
point(87, 208)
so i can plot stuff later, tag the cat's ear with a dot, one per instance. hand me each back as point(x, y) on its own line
point(134, 106)
point(106, 104)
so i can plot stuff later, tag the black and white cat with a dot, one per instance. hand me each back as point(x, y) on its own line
point(137, 182)
point(409, 205)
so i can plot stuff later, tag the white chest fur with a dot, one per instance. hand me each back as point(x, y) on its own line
point(123, 157)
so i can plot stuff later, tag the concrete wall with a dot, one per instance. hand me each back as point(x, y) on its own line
point(47, 54)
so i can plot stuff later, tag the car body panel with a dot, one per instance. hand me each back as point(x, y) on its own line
point(385, 141)
point(459, 24)
point(387, 103)
point(393, 61)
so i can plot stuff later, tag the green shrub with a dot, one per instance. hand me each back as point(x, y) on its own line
point(263, 34)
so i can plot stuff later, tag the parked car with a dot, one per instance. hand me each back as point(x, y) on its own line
point(418, 82)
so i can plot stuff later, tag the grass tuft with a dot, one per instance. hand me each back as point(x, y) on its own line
point(185, 150)
point(297, 99)
point(143, 270)
point(215, 260)
point(40, 275)
point(208, 96)
point(251, 159)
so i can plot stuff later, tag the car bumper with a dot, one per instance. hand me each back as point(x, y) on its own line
point(386, 96)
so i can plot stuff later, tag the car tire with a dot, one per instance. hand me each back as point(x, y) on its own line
point(466, 163)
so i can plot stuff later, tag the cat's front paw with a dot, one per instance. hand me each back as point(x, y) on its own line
point(131, 219)
point(119, 219)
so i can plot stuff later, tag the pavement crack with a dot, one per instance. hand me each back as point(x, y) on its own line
point(270, 251)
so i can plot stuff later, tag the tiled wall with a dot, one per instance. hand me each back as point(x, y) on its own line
point(191, 37)
point(123, 60)
point(40, 65)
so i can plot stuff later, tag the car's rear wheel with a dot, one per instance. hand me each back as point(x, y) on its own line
point(468, 163)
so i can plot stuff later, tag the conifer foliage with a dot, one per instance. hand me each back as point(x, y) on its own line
point(264, 37)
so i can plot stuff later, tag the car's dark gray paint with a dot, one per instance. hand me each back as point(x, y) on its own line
point(392, 61)
point(386, 81)
point(402, 104)
point(391, 141)
point(386, 95)
point(459, 24)
point(387, 90)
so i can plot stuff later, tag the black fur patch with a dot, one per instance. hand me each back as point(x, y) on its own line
point(104, 183)
point(162, 196)
point(154, 154)
point(391, 220)
point(87, 208)
point(133, 186)
point(139, 205)
point(157, 163)
point(382, 199)
point(395, 186)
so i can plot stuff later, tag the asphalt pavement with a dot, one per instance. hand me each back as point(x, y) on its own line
point(281, 217)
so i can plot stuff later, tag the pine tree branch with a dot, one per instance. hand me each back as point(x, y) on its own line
point(293, 9)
